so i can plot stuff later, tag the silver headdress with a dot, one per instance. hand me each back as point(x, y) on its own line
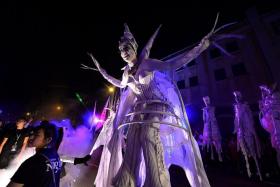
point(128, 38)
point(265, 88)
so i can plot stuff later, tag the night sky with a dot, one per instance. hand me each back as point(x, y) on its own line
point(43, 44)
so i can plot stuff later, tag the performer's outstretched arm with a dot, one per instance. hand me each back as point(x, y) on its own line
point(112, 80)
point(109, 78)
point(191, 55)
point(183, 59)
point(186, 57)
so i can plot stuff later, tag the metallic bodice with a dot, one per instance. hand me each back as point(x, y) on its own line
point(148, 88)
point(150, 104)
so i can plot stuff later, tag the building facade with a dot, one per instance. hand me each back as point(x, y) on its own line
point(253, 60)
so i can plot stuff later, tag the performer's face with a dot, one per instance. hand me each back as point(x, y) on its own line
point(127, 53)
point(206, 101)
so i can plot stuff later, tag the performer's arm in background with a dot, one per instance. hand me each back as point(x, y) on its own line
point(2, 144)
point(23, 147)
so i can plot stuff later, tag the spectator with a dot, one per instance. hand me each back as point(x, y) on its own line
point(13, 144)
point(43, 169)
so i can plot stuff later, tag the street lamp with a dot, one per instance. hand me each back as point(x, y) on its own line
point(58, 108)
point(111, 89)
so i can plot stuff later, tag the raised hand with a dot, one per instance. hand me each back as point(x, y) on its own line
point(109, 78)
point(98, 67)
point(82, 160)
point(95, 62)
point(212, 36)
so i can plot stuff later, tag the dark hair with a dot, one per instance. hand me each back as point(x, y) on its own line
point(50, 131)
point(43, 122)
point(21, 118)
point(59, 138)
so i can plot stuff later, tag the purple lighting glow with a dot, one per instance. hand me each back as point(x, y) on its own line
point(91, 120)
point(97, 120)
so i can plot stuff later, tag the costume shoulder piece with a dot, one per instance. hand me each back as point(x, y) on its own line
point(145, 53)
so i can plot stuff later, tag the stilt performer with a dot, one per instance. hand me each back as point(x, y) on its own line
point(247, 138)
point(211, 132)
point(151, 106)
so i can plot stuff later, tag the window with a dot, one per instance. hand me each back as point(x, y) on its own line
point(193, 81)
point(220, 74)
point(181, 84)
point(214, 53)
point(239, 69)
point(232, 46)
point(276, 26)
point(191, 63)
